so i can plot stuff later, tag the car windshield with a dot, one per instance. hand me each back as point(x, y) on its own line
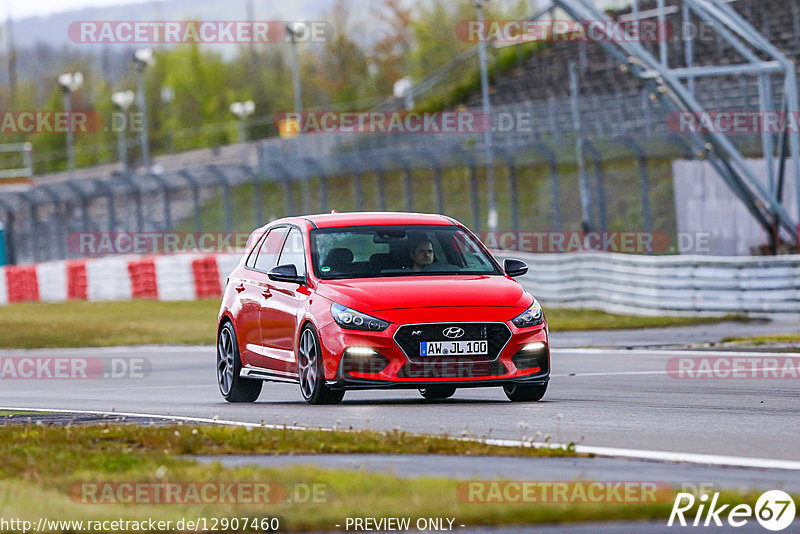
point(378, 251)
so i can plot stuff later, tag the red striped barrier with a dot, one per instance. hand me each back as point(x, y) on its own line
point(117, 278)
point(22, 283)
point(143, 279)
point(206, 278)
point(77, 284)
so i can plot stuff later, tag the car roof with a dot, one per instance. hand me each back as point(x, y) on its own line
point(333, 220)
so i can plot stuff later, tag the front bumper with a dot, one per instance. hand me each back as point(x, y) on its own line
point(390, 367)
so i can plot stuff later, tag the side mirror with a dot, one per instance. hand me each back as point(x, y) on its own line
point(514, 267)
point(286, 273)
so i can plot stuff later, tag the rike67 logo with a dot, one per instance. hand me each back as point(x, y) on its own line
point(774, 510)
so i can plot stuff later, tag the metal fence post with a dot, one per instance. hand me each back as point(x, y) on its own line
point(323, 182)
point(167, 207)
point(83, 202)
point(286, 178)
point(109, 194)
point(599, 177)
point(57, 231)
point(348, 164)
point(473, 186)
point(137, 192)
point(644, 187)
point(381, 171)
point(407, 179)
point(195, 186)
point(583, 182)
point(255, 178)
point(226, 196)
point(437, 179)
point(555, 189)
point(512, 186)
point(34, 224)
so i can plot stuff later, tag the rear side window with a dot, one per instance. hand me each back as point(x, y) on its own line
point(292, 253)
point(267, 256)
point(251, 258)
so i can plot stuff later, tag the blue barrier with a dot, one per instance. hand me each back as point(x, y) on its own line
point(2, 245)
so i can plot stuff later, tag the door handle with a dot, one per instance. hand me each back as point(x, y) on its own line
point(239, 288)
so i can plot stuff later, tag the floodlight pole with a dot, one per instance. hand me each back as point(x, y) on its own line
point(298, 97)
point(243, 110)
point(123, 100)
point(70, 82)
point(141, 60)
point(70, 134)
point(487, 134)
point(122, 148)
point(142, 103)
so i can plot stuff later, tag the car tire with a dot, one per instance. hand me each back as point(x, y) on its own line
point(437, 392)
point(233, 387)
point(523, 393)
point(311, 371)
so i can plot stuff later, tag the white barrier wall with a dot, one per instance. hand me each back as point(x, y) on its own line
point(646, 285)
point(664, 285)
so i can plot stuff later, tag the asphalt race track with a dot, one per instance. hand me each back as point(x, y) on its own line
point(597, 397)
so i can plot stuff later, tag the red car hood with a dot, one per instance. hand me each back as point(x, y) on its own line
point(402, 293)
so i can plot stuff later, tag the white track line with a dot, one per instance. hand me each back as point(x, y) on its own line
point(611, 452)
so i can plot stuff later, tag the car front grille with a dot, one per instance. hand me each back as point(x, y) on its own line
point(408, 338)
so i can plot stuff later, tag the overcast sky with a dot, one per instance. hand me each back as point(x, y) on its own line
point(27, 8)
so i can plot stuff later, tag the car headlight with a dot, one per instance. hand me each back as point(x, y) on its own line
point(354, 320)
point(530, 317)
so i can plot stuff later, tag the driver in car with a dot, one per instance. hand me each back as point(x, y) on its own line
point(421, 254)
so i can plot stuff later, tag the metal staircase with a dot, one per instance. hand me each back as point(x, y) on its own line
point(674, 86)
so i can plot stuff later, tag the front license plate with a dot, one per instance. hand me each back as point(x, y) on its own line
point(453, 348)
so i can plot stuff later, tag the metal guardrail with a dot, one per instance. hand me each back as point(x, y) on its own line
point(664, 285)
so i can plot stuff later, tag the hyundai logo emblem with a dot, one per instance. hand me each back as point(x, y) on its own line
point(453, 332)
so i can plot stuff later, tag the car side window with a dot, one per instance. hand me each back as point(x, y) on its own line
point(251, 259)
point(292, 253)
point(267, 256)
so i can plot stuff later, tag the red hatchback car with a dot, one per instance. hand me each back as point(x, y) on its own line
point(378, 300)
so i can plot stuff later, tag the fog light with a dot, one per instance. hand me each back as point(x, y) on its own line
point(532, 356)
point(360, 351)
point(360, 360)
point(536, 346)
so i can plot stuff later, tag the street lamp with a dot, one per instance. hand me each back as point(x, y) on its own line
point(487, 134)
point(403, 88)
point(123, 101)
point(142, 59)
point(70, 82)
point(242, 110)
point(167, 96)
point(296, 30)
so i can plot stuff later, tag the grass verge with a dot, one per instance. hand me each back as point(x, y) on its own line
point(562, 319)
point(65, 473)
point(140, 322)
point(764, 340)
